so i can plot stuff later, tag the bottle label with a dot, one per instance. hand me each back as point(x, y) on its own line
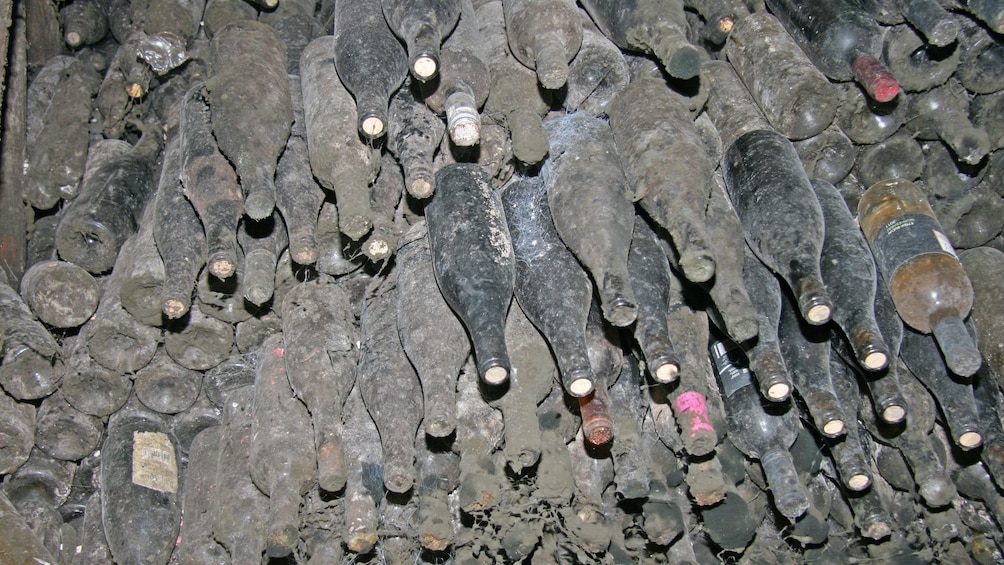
point(906, 237)
point(153, 463)
point(732, 376)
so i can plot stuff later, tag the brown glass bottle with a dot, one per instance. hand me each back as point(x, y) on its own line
point(930, 288)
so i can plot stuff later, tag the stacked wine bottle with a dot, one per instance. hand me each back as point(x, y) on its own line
point(518, 281)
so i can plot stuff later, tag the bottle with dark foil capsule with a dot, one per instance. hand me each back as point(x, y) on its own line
point(931, 290)
point(761, 430)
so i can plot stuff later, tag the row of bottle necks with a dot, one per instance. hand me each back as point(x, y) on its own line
point(819, 378)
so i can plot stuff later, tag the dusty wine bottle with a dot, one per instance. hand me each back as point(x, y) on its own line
point(583, 161)
point(979, 52)
point(210, 184)
point(597, 422)
point(385, 201)
point(888, 400)
point(238, 517)
point(196, 544)
point(651, 282)
point(389, 386)
point(370, 61)
point(674, 192)
point(597, 73)
point(479, 430)
point(90, 387)
point(297, 195)
point(899, 156)
point(955, 398)
point(866, 121)
point(413, 134)
point(918, 65)
point(780, 214)
point(220, 13)
point(262, 242)
point(282, 458)
point(93, 227)
point(32, 365)
point(768, 441)
point(84, 23)
point(139, 486)
point(828, 156)
point(848, 270)
point(423, 26)
point(796, 98)
point(59, 293)
point(943, 112)
point(61, 431)
point(552, 288)
point(696, 404)
point(650, 26)
point(765, 358)
point(473, 260)
point(199, 341)
point(530, 383)
point(463, 83)
point(543, 35)
point(21, 425)
point(57, 148)
point(316, 318)
point(928, 283)
point(249, 71)
point(438, 476)
point(929, 17)
point(982, 266)
point(433, 338)
point(806, 352)
point(912, 440)
point(514, 97)
point(340, 161)
point(364, 479)
point(727, 291)
point(989, 11)
point(841, 40)
point(166, 387)
point(852, 463)
point(179, 235)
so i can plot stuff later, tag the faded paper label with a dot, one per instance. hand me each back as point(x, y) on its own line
point(153, 462)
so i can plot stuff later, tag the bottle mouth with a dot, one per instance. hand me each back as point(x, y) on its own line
point(666, 372)
point(970, 440)
point(859, 481)
point(580, 386)
point(894, 414)
point(494, 372)
point(778, 392)
point(425, 66)
point(873, 356)
point(834, 427)
point(371, 125)
point(816, 308)
point(620, 311)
